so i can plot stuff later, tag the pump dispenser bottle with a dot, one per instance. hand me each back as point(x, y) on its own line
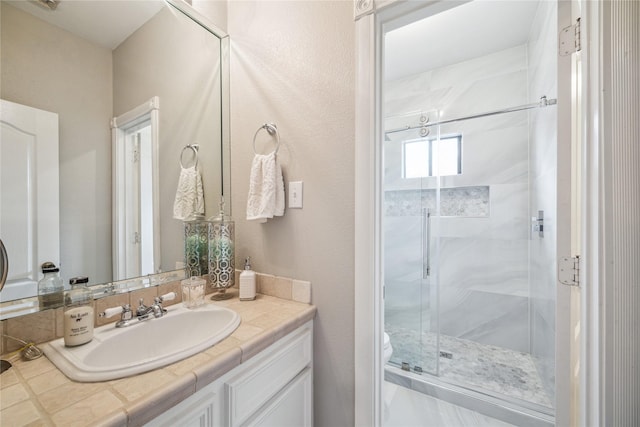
point(247, 282)
point(78, 313)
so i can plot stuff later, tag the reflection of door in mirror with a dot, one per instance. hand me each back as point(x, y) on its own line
point(136, 239)
point(29, 207)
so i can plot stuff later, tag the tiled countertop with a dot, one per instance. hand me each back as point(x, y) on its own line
point(37, 394)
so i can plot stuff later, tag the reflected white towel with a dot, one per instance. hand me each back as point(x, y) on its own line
point(189, 195)
point(266, 188)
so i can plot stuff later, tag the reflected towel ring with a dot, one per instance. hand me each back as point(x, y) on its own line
point(195, 148)
point(272, 129)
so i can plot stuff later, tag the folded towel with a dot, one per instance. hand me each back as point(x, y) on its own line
point(189, 199)
point(266, 188)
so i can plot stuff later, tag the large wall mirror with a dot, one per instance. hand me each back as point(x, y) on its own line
point(93, 64)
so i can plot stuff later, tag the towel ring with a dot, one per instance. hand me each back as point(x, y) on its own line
point(271, 129)
point(193, 147)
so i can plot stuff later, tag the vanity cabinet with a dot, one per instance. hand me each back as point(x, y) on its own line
point(273, 388)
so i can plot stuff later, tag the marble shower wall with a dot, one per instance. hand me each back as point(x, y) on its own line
point(482, 249)
point(543, 166)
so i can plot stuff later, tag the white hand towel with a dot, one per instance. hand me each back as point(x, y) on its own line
point(189, 195)
point(266, 188)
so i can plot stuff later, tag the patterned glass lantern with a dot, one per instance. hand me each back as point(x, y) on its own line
point(221, 255)
point(196, 246)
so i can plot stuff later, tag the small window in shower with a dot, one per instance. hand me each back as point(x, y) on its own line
point(423, 157)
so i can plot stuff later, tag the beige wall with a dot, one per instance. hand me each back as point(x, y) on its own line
point(50, 69)
point(293, 63)
point(214, 10)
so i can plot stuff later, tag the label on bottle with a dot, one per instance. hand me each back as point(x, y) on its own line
point(78, 326)
point(247, 285)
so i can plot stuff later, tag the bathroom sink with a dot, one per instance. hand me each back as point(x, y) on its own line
point(122, 352)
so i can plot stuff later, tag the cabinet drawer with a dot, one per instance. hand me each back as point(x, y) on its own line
point(249, 391)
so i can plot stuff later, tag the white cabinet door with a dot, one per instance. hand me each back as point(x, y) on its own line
point(29, 200)
point(292, 407)
point(274, 388)
point(267, 374)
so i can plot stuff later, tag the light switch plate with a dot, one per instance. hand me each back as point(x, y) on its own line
point(295, 195)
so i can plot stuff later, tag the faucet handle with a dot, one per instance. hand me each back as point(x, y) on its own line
point(167, 297)
point(110, 312)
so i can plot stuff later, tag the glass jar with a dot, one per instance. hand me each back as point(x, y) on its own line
point(78, 313)
point(193, 290)
point(50, 287)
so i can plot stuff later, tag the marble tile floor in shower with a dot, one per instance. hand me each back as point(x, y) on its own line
point(487, 367)
point(408, 408)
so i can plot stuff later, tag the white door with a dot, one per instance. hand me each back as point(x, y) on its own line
point(135, 192)
point(29, 195)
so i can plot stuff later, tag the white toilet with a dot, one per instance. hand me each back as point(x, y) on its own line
point(387, 349)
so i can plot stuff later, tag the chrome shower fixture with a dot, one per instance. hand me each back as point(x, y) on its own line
point(49, 4)
point(424, 130)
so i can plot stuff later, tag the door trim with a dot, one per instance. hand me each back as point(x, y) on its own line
point(368, 285)
point(118, 125)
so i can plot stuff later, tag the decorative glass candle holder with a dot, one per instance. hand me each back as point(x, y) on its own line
point(196, 246)
point(193, 290)
point(221, 255)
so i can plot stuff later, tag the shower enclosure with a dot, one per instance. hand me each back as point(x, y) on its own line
point(469, 207)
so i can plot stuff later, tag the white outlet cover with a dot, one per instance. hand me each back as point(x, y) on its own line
point(295, 195)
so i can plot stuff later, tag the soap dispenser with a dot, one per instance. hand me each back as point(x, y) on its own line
point(50, 287)
point(78, 313)
point(247, 282)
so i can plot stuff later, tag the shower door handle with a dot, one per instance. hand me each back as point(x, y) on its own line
point(426, 242)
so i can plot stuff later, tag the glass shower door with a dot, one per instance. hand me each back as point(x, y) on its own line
point(483, 266)
point(409, 209)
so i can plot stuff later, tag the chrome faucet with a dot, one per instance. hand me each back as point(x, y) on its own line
point(143, 312)
point(125, 315)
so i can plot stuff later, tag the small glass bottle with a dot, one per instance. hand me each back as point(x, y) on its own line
point(50, 287)
point(78, 313)
point(247, 282)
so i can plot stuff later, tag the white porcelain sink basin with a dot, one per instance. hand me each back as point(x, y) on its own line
point(121, 352)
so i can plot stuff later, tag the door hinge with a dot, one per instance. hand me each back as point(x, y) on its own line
point(136, 150)
point(569, 271)
point(569, 39)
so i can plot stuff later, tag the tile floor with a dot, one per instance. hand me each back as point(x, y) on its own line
point(408, 408)
point(492, 368)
